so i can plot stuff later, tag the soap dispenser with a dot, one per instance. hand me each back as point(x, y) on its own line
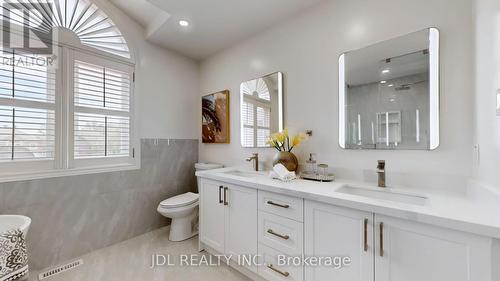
point(311, 164)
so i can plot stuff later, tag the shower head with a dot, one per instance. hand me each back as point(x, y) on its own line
point(404, 87)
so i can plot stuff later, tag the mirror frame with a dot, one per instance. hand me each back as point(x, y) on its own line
point(434, 90)
point(281, 105)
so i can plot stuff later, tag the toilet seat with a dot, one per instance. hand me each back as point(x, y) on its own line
point(177, 209)
point(180, 200)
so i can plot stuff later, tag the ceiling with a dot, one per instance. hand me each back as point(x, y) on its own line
point(364, 66)
point(214, 24)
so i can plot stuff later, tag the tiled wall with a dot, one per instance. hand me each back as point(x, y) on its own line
point(74, 215)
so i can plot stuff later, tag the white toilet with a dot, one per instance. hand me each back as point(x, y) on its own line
point(183, 210)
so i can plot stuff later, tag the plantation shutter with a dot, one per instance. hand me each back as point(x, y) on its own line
point(256, 113)
point(102, 110)
point(256, 122)
point(263, 125)
point(247, 133)
point(27, 107)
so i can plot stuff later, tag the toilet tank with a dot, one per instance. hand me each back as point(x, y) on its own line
point(204, 167)
point(207, 166)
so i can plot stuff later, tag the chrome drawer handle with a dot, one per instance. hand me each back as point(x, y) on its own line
point(285, 237)
point(381, 226)
point(365, 234)
point(278, 205)
point(225, 196)
point(271, 267)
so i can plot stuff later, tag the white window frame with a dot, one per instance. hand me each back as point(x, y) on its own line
point(63, 163)
point(75, 55)
point(12, 168)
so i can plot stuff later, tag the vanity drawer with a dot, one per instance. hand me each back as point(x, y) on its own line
point(286, 206)
point(271, 270)
point(280, 233)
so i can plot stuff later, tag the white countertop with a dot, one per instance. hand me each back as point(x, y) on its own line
point(449, 210)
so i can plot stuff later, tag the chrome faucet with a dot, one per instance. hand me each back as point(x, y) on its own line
point(381, 173)
point(255, 157)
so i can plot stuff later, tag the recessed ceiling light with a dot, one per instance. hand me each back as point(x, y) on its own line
point(385, 71)
point(383, 82)
point(390, 85)
point(183, 23)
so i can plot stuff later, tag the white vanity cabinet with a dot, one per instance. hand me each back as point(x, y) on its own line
point(212, 213)
point(383, 248)
point(241, 221)
point(332, 231)
point(237, 220)
point(281, 234)
point(228, 218)
point(413, 251)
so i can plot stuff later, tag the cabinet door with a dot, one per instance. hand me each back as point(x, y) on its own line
point(241, 221)
point(212, 215)
point(332, 231)
point(413, 251)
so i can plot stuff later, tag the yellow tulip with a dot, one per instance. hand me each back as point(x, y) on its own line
point(280, 137)
point(296, 140)
point(274, 137)
point(285, 132)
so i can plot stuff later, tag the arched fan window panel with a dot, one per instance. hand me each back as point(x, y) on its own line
point(90, 24)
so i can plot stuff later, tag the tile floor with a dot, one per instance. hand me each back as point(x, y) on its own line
point(130, 261)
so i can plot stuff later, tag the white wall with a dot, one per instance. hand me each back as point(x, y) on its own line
point(169, 87)
point(487, 82)
point(306, 49)
point(167, 83)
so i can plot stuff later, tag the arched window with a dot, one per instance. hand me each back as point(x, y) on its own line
point(82, 17)
point(66, 89)
point(256, 112)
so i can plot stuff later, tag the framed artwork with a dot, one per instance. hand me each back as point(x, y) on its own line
point(215, 117)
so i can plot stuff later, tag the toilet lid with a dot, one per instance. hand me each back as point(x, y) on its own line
point(180, 200)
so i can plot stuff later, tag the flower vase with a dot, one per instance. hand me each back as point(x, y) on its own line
point(287, 159)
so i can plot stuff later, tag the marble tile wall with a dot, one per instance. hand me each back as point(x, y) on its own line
point(72, 216)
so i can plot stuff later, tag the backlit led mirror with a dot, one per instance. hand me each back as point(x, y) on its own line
point(261, 102)
point(389, 94)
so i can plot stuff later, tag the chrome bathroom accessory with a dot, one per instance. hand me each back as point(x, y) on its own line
point(255, 157)
point(381, 173)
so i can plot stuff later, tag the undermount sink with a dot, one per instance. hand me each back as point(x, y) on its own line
point(385, 194)
point(240, 173)
point(12, 222)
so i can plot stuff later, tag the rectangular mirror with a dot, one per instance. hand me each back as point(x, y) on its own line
point(261, 111)
point(389, 94)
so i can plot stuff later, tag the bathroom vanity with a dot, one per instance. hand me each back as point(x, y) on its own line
point(388, 234)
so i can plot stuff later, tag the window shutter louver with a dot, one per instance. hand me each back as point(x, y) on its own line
point(27, 107)
point(247, 115)
point(256, 122)
point(263, 125)
point(102, 111)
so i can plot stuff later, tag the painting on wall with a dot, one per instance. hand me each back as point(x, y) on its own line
point(215, 117)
